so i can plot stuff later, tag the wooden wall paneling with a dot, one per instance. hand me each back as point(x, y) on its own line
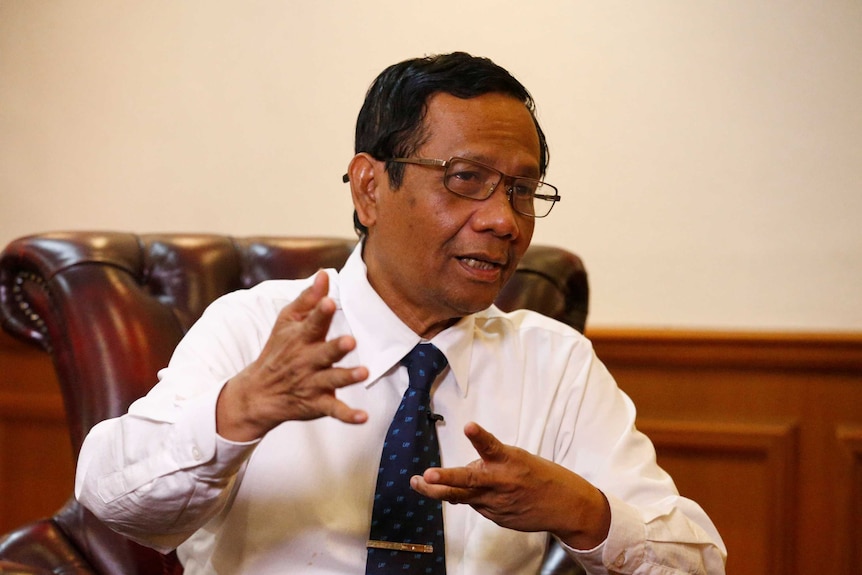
point(764, 430)
point(744, 476)
point(812, 382)
point(850, 498)
point(36, 468)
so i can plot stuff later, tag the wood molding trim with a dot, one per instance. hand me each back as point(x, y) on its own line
point(749, 350)
point(31, 407)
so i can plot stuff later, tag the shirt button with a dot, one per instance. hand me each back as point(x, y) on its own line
point(196, 453)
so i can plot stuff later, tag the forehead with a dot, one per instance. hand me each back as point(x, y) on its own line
point(492, 127)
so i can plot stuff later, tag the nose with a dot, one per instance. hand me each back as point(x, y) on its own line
point(495, 214)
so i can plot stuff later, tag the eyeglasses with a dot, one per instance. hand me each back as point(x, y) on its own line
point(476, 181)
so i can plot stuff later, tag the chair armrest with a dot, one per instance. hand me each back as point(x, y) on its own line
point(9, 568)
point(558, 562)
point(41, 548)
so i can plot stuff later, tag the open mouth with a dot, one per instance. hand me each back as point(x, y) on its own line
point(479, 264)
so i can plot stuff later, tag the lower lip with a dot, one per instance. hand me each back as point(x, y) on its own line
point(489, 275)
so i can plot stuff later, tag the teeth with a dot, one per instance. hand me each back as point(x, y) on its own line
point(478, 264)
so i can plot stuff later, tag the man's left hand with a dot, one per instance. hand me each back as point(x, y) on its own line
point(521, 491)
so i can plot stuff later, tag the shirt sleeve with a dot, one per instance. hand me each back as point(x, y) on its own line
point(160, 472)
point(659, 546)
point(653, 529)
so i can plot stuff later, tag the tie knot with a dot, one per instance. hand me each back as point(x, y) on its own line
point(424, 363)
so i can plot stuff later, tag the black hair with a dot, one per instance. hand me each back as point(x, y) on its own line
point(391, 121)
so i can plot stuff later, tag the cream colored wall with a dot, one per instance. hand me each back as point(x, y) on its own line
point(709, 153)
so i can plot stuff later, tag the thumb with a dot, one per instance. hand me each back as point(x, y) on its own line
point(489, 448)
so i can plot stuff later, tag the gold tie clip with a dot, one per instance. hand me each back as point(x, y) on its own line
point(395, 546)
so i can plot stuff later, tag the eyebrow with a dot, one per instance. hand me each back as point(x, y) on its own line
point(533, 171)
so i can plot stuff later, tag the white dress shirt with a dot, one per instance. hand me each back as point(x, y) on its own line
point(300, 499)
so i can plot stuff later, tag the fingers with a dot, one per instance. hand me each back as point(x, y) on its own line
point(342, 377)
point(453, 484)
point(429, 488)
point(448, 486)
point(299, 308)
point(313, 308)
point(463, 484)
point(295, 375)
point(343, 412)
point(319, 398)
point(331, 352)
point(298, 346)
point(475, 482)
point(311, 313)
point(316, 323)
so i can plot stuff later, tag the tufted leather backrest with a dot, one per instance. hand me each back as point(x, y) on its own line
point(110, 307)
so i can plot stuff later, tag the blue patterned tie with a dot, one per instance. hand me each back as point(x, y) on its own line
point(407, 528)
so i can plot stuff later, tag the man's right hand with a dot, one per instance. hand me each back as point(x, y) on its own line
point(293, 378)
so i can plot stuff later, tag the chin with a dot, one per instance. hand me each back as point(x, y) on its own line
point(468, 305)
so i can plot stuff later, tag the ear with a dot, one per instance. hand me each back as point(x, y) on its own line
point(366, 175)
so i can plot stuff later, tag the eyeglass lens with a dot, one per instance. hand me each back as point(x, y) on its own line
point(472, 180)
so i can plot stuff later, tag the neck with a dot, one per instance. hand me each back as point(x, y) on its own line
point(421, 321)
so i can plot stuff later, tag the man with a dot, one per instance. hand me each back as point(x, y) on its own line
point(258, 450)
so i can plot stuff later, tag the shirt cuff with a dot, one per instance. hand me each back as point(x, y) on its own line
point(201, 447)
point(624, 546)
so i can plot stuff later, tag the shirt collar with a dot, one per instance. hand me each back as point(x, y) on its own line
point(382, 339)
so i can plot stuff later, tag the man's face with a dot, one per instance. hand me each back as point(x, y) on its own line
point(433, 256)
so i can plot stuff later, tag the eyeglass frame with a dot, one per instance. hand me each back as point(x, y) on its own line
point(553, 198)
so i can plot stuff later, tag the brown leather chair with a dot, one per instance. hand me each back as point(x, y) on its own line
point(110, 307)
